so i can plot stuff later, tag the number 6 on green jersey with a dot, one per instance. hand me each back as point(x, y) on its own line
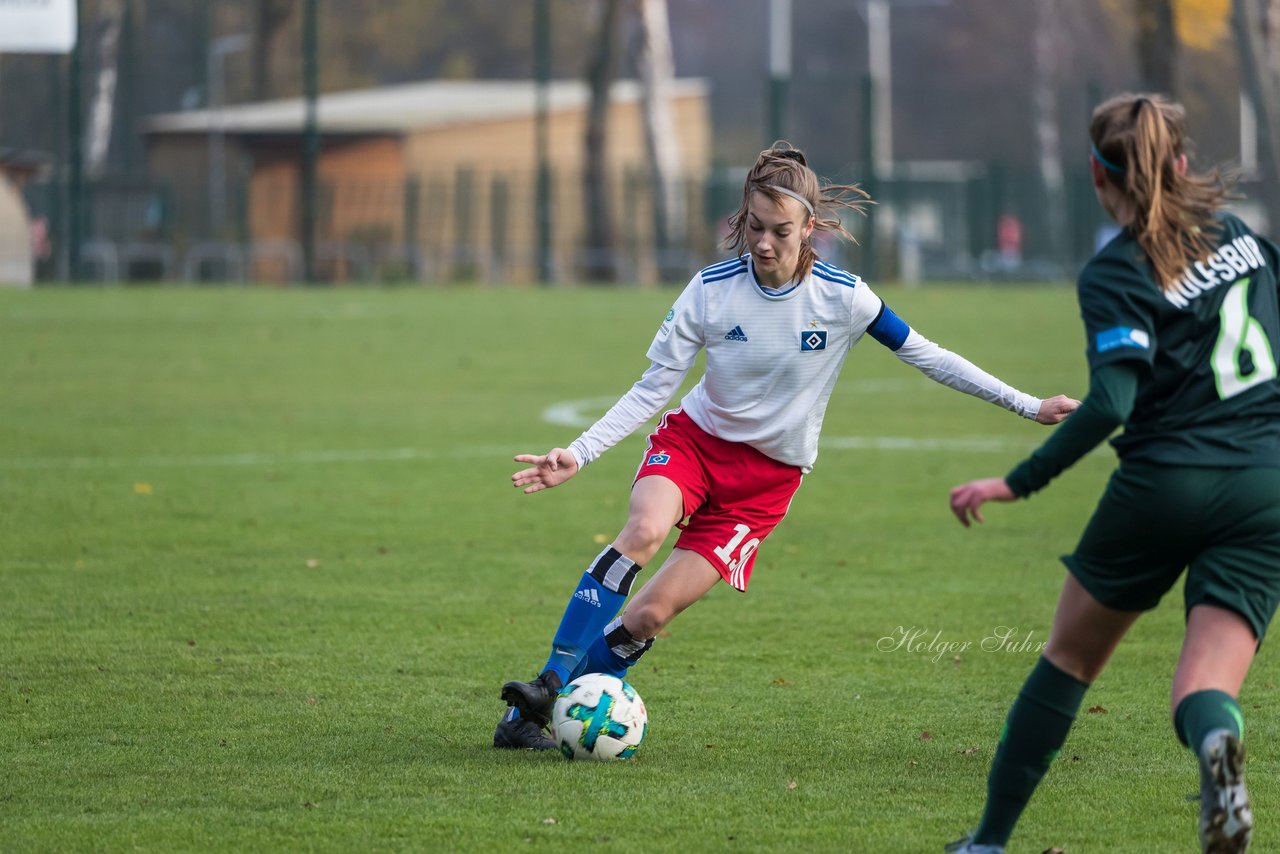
point(1240, 333)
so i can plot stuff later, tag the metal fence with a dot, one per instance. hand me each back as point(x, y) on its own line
point(937, 221)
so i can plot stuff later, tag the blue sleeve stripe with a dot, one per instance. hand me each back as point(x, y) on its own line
point(727, 270)
point(722, 266)
point(824, 270)
point(727, 273)
point(889, 329)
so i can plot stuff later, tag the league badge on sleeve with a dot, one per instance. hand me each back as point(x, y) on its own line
point(665, 329)
point(813, 339)
point(1122, 336)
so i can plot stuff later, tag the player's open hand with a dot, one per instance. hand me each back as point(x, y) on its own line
point(550, 469)
point(1056, 409)
point(968, 498)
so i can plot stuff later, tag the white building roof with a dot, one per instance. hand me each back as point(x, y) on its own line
point(396, 109)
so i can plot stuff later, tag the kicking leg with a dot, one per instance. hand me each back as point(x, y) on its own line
point(656, 506)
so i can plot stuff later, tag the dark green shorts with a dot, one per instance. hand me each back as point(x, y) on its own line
point(1221, 525)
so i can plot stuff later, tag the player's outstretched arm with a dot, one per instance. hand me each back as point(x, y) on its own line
point(967, 498)
point(1054, 410)
point(957, 372)
point(547, 470)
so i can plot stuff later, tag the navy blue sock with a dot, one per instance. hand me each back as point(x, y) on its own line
point(600, 593)
point(614, 651)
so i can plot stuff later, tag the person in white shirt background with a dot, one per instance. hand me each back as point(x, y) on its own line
point(776, 323)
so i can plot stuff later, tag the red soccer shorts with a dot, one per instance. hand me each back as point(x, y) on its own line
point(733, 494)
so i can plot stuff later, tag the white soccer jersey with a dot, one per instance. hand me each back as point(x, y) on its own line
point(773, 359)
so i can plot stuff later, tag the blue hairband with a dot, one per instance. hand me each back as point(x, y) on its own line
point(1106, 164)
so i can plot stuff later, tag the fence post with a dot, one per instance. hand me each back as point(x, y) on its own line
point(75, 143)
point(310, 141)
point(498, 203)
point(412, 189)
point(869, 180)
point(465, 260)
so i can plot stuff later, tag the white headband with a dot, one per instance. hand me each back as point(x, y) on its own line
point(793, 194)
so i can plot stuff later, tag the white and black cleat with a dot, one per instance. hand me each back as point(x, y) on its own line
point(1226, 821)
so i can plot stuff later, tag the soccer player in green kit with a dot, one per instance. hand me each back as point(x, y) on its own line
point(1180, 311)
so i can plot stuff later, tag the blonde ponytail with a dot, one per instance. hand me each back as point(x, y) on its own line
point(1139, 140)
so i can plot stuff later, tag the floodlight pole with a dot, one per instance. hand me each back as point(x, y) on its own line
point(542, 109)
point(218, 51)
point(870, 269)
point(779, 67)
point(75, 131)
point(310, 142)
point(880, 66)
point(879, 60)
point(878, 109)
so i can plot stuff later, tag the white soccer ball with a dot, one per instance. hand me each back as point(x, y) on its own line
point(598, 716)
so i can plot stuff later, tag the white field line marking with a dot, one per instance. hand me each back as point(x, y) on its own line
point(905, 443)
point(575, 413)
point(266, 460)
point(583, 413)
point(252, 459)
point(398, 455)
point(571, 413)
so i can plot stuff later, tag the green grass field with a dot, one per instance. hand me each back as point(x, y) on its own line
point(263, 573)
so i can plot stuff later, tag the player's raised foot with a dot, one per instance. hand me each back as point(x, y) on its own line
point(1226, 822)
point(968, 846)
point(519, 733)
point(533, 699)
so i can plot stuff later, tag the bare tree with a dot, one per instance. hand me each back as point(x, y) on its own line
point(269, 18)
point(1048, 133)
point(1157, 45)
point(656, 67)
point(102, 111)
point(601, 244)
point(1257, 29)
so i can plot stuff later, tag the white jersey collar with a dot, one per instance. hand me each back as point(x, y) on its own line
point(787, 291)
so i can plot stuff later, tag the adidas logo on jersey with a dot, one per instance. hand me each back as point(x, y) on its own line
point(589, 596)
point(736, 334)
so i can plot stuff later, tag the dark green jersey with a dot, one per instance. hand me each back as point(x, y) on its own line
point(1209, 393)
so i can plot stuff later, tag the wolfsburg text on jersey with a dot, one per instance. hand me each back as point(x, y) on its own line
point(1228, 263)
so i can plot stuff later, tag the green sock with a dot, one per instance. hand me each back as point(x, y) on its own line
point(1201, 712)
point(1033, 733)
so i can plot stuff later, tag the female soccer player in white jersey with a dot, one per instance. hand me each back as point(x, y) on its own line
point(776, 324)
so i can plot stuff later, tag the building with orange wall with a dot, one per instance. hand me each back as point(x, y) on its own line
point(438, 176)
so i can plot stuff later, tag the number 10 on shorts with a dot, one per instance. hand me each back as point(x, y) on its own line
point(744, 550)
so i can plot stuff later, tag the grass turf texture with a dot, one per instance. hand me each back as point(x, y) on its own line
point(263, 573)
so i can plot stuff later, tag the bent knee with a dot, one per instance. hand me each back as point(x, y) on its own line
point(1082, 667)
point(640, 539)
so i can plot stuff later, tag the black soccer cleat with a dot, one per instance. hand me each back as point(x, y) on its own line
point(519, 733)
point(533, 699)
